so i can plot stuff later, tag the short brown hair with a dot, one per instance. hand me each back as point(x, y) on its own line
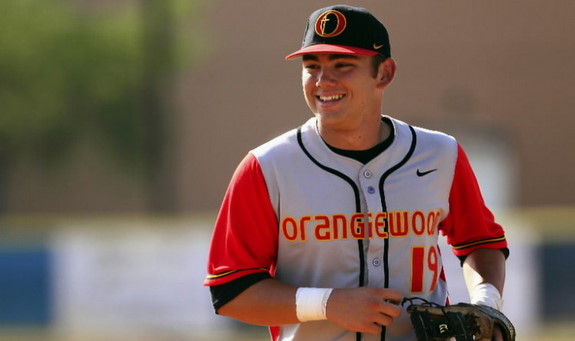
point(376, 61)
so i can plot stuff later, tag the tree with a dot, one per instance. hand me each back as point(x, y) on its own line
point(68, 72)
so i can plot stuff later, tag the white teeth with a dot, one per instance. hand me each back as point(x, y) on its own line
point(330, 98)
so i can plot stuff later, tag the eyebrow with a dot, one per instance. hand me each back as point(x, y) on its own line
point(332, 56)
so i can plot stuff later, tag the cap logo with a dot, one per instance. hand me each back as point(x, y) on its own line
point(330, 24)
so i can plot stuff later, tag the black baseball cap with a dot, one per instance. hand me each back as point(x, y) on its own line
point(344, 29)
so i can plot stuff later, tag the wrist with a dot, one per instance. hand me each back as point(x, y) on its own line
point(311, 303)
point(486, 294)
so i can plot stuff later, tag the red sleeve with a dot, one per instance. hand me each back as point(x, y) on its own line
point(470, 225)
point(245, 236)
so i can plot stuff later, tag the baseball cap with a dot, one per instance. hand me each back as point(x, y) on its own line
point(344, 29)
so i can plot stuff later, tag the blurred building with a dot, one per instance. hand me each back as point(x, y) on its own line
point(499, 70)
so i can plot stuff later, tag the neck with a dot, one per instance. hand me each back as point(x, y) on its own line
point(360, 138)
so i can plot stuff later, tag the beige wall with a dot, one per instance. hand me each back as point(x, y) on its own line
point(505, 65)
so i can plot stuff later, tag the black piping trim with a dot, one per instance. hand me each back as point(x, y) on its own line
point(384, 209)
point(356, 194)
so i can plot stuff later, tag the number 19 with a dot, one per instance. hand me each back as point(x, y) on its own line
point(419, 258)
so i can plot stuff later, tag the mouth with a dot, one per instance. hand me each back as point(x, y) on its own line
point(330, 98)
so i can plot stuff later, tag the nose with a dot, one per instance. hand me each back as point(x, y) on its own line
point(325, 78)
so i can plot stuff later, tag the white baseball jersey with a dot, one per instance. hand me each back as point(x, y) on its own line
point(313, 218)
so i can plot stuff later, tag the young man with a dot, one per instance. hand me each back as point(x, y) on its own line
point(325, 229)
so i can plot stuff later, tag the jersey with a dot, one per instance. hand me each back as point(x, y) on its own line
point(313, 218)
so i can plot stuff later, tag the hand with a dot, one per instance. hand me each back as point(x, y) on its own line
point(364, 310)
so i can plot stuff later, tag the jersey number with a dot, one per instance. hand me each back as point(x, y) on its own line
point(423, 262)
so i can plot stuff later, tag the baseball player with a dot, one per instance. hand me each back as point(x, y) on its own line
point(326, 228)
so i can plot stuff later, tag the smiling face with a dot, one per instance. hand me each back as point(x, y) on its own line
point(343, 92)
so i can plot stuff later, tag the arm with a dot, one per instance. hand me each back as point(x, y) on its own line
point(267, 303)
point(484, 266)
point(271, 303)
point(235, 254)
point(472, 231)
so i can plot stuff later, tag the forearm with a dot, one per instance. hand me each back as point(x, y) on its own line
point(272, 303)
point(267, 303)
point(486, 266)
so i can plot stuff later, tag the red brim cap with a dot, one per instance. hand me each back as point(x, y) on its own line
point(332, 49)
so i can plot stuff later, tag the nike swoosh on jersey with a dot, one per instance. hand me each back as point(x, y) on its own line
point(420, 173)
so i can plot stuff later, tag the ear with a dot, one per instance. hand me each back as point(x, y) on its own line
point(386, 73)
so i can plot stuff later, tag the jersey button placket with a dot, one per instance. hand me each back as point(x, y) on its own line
point(367, 174)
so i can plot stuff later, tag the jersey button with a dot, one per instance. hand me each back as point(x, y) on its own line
point(368, 174)
point(376, 262)
point(371, 190)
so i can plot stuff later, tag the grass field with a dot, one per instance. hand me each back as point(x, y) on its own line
point(559, 332)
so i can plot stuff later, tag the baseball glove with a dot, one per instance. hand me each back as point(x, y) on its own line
point(464, 322)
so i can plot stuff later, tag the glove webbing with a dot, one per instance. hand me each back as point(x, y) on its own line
point(434, 327)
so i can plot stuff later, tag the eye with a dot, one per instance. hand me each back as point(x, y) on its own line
point(311, 66)
point(341, 65)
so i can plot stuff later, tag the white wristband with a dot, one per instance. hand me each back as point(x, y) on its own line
point(487, 294)
point(311, 303)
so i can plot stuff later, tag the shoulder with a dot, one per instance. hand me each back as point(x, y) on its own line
point(434, 136)
point(281, 145)
point(425, 138)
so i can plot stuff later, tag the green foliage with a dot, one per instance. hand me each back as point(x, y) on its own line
point(69, 72)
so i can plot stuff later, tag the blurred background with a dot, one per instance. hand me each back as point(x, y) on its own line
point(122, 121)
